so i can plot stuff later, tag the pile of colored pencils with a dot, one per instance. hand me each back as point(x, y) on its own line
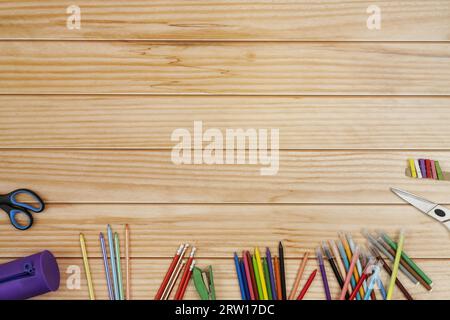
point(174, 272)
point(112, 265)
point(356, 269)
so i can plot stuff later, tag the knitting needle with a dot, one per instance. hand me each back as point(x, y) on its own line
point(127, 261)
point(169, 272)
point(349, 273)
point(398, 256)
point(300, 271)
point(86, 267)
point(307, 285)
point(106, 264)
point(118, 264)
point(112, 257)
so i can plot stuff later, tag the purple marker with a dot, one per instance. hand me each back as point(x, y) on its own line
point(271, 274)
point(324, 273)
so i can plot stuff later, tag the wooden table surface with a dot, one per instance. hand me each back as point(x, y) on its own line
point(86, 117)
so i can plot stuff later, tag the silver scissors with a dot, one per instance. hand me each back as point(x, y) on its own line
point(432, 209)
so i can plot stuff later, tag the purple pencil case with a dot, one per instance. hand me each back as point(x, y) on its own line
point(29, 276)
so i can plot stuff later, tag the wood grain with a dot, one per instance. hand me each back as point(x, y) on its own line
point(226, 20)
point(140, 176)
point(148, 121)
point(224, 68)
point(219, 230)
point(148, 273)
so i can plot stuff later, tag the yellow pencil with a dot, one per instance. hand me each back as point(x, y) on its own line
point(86, 267)
point(261, 274)
point(413, 168)
point(398, 255)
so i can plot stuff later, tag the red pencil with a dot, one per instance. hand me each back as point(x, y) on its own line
point(428, 168)
point(187, 271)
point(169, 273)
point(358, 285)
point(248, 275)
point(307, 285)
point(186, 282)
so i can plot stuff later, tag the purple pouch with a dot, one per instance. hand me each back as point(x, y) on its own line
point(29, 276)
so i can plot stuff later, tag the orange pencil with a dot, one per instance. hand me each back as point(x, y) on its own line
point(301, 269)
point(276, 265)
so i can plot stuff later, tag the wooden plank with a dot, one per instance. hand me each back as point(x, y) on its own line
point(226, 20)
point(147, 275)
point(140, 176)
point(148, 121)
point(219, 230)
point(224, 68)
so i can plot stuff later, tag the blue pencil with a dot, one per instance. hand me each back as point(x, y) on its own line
point(239, 275)
point(112, 257)
point(105, 262)
point(346, 262)
point(272, 274)
point(244, 280)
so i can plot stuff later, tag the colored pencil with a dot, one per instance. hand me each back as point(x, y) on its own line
point(276, 262)
point(87, 270)
point(338, 260)
point(271, 273)
point(298, 277)
point(248, 275)
point(127, 261)
point(398, 256)
point(282, 270)
point(433, 170)
point(169, 272)
point(307, 285)
point(358, 269)
point(186, 282)
point(347, 267)
point(244, 279)
point(403, 263)
point(261, 274)
point(258, 278)
point(118, 265)
point(267, 278)
point(428, 168)
point(106, 265)
point(173, 279)
point(186, 275)
point(381, 247)
point(407, 259)
point(378, 256)
point(323, 272)
point(239, 276)
point(112, 257)
point(252, 274)
point(332, 262)
point(422, 168)
point(349, 274)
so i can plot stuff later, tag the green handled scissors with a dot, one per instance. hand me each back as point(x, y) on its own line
point(15, 208)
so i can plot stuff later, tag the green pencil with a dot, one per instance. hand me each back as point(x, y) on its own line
point(119, 271)
point(407, 259)
point(267, 277)
point(258, 280)
point(438, 170)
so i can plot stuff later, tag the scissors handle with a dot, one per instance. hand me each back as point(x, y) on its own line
point(11, 199)
point(14, 213)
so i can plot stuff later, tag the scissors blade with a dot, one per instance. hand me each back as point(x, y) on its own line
point(420, 203)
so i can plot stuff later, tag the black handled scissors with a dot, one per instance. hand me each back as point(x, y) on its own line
point(15, 208)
